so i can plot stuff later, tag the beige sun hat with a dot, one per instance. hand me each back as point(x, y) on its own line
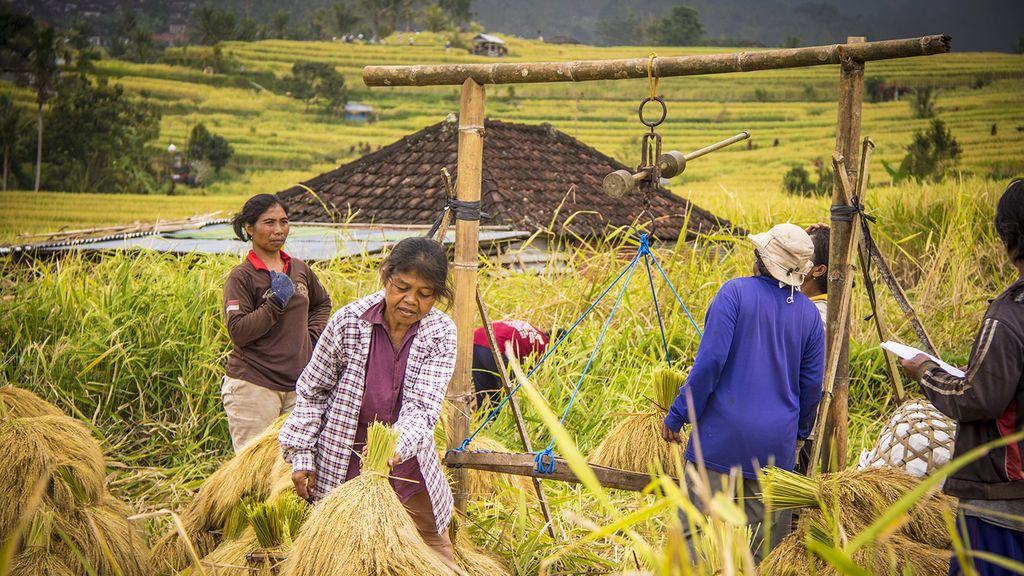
point(786, 251)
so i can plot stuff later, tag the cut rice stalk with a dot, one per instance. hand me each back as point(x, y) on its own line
point(21, 403)
point(636, 443)
point(57, 447)
point(786, 490)
point(277, 523)
point(361, 528)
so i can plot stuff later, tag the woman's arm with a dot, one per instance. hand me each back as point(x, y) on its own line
point(423, 399)
point(300, 431)
point(246, 318)
point(319, 307)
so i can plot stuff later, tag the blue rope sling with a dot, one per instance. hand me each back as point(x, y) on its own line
point(544, 459)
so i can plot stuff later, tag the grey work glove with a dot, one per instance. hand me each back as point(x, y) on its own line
point(281, 288)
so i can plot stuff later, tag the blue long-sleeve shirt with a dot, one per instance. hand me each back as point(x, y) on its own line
point(756, 381)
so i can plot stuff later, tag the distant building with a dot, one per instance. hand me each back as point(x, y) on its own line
point(359, 113)
point(489, 45)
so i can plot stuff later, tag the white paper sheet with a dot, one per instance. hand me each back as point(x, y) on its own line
point(908, 352)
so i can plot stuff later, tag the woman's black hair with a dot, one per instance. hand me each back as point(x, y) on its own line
point(820, 239)
point(1010, 220)
point(423, 257)
point(761, 268)
point(252, 210)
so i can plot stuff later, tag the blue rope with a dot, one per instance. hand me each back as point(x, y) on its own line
point(657, 309)
point(678, 299)
point(545, 461)
point(497, 409)
point(597, 346)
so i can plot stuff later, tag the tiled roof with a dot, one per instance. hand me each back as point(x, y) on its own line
point(533, 177)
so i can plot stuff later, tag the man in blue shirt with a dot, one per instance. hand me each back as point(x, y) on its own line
point(754, 387)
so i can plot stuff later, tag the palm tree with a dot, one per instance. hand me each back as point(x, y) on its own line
point(10, 130)
point(44, 71)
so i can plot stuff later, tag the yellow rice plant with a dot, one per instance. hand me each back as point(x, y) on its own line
point(894, 555)
point(636, 443)
point(253, 472)
point(57, 447)
point(361, 528)
point(21, 403)
point(483, 485)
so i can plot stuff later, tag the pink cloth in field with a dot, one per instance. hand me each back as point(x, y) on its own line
point(526, 339)
point(382, 398)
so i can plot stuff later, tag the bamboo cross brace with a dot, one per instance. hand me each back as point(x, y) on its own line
point(513, 403)
point(832, 360)
point(891, 367)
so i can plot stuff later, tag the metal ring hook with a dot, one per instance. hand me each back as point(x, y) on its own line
point(664, 111)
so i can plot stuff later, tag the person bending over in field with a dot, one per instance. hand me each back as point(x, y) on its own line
point(988, 404)
point(387, 357)
point(526, 340)
point(756, 380)
point(275, 309)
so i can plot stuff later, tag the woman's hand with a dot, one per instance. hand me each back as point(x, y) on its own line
point(304, 481)
point(669, 435)
point(393, 461)
point(914, 367)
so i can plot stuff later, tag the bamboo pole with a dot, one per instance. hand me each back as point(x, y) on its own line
point(513, 403)
point(664, 67)
point(470, 167)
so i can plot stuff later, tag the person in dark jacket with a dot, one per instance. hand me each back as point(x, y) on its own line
point(756, 380)
point(988, 404)
point(275, 309)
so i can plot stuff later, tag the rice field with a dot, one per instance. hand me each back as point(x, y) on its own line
point(133, 345)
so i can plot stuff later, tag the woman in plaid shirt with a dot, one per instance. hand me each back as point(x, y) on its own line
point(386, 357)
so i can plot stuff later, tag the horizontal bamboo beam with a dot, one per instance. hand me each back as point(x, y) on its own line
point(522, 464)
point(663, 67)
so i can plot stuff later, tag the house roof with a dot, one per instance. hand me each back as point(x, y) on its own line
point(534, 177)
point(481, 37)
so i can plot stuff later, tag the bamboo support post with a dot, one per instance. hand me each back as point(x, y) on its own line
point(663, 67)
point(470, 167)
point(513, 404)
point(889, 279)
point(841, 254)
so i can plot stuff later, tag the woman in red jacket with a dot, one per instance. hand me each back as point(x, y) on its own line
point(275, 309)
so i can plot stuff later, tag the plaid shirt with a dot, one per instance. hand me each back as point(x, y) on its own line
point(319, 433)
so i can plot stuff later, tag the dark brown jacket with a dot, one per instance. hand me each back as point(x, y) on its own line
point(271, 345)
point(988, 402)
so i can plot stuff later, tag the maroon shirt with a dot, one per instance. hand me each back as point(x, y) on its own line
point(382, 399)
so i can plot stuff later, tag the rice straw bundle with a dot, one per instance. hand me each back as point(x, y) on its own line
point(277, 523)
point(106, 539)
point(33, 561)
point(471, 558)
point(254, 472)
point(361, 528)
point(56, 447)
point(21, 403)
point(894, 555)
point(718, 540)
point(636, 443)
point(858, 497)
point(229, 559)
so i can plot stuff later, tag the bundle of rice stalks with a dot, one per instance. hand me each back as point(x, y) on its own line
point(20, 403)
point(635, 443)
point(471, 558)
point(858, 497)
point(57, 448)
point(277, 523)
point(895, 555)
point(230, 558)
point(361, 528)
point(252, 473)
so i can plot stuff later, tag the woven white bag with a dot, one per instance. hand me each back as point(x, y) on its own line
point(918, 439)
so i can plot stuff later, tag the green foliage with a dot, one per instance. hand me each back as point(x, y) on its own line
point(434, 18)
point(1019, 48)
point(279, 24)
point(681, 27)
point(459, 11)
point(314, 82)
point(345, 18)
point(249, 29)
point(792, 42)
point(930, 156)
point(797, 181)
point(210, 25)
point(628, 29)
point(98, 137)
point(13, 130)
point(875, 86)
point(131, 38)
point(922, 102)
point(206, 146)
